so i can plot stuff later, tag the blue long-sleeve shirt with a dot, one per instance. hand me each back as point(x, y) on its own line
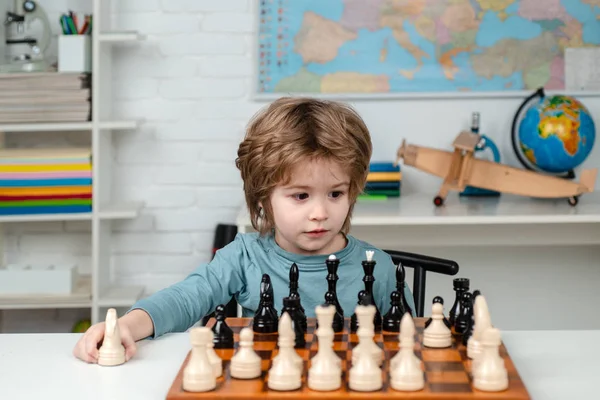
point(237, 269)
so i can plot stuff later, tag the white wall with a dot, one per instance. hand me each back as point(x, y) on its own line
point(191, 81)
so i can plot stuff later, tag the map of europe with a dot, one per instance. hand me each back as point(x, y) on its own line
point(408, 46)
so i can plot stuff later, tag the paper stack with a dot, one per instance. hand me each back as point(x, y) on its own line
point(45, 181)
point(383, 181)
point(45, 97)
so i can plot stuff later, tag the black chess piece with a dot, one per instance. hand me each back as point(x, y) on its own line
point(363, 300)
point(461, 285)
point(294, 277)
point(369, 280)
point(470, 319)
point(439, 299)
point(391, 320)
point(338, 319)
point(300, 341)
point(332, 278)
point(400, 284)
point(461, 321)
point(223, 334)
point(267, 286)
point(291, 305)
point(266, 320)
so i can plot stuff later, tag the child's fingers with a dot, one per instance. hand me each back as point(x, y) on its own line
point(91, 343)
point(129, 345)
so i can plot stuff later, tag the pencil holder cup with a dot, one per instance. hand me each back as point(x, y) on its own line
point(74, 53)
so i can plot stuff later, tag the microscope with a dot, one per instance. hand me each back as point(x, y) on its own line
point(25, 52)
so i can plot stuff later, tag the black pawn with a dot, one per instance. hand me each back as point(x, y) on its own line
point(470, 318)
point(363, 300)
point(460, 285)
point(461, 322)
point(400, 284)
point(223, 335)
point(266, 286)
point(291, 306)
point(338, 319)
point(391, 320)
point(439, 299)
point(294, 277)
point(266, 320)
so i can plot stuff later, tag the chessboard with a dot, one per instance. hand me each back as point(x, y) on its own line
point(447, 370)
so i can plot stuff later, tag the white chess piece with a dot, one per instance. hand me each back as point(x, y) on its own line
point(325, 372)
point(213, 357)
point(112, 351)
point(408, 336)
point(365, 375)
point(481, 317)
point(406, 373)
point(288, 335)
point(198, 374)
point(369, 345)
point(490, 374)
point(245, 363)
point(437, 333)
point(285, 374)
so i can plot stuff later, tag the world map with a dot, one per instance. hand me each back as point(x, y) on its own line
point(409, 46)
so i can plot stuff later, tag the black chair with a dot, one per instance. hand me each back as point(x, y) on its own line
point(421, 264)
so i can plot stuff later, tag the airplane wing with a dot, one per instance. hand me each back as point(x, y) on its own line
point(433, 161)
point(503, 178)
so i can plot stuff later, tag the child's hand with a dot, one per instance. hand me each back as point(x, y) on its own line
point(86, 348)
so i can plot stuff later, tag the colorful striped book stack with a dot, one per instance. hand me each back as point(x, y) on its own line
point(383, 181)
point(45, 181)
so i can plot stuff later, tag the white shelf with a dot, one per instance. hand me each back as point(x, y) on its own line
point(418, 209)
point(109, 211)
point(121, 296)
point(120, 36)
point(412, 221)
point(67, 126)
point(80, 298)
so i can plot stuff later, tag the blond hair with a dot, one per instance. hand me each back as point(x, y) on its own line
point(290, 130)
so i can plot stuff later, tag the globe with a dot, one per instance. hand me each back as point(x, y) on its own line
point(556, 133)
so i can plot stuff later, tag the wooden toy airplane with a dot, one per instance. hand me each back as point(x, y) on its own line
point(460, 169)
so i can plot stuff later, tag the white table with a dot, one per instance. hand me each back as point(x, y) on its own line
point(553, 365)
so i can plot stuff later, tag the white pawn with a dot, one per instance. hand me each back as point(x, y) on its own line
point(198, 374)
point(213, 357)
point(369, 345)
point(245, 364)
point(490, 374)
point(112, 351)
point(481, 316)
point(325, 372)
point(406, 374)
point(437, 333)
point(285, 374)
point(365, 375)
point(288, 335)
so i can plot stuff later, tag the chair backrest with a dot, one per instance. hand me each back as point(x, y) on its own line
point(421, 264)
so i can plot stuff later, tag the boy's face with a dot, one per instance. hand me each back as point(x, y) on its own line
point(310, 210)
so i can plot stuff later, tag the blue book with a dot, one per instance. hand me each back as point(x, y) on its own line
point(45, 182)
point(44, 210)
point(383, 167)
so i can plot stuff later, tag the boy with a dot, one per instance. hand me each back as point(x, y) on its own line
point(303, 163)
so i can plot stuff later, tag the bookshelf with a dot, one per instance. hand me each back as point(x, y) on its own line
point(95, 291)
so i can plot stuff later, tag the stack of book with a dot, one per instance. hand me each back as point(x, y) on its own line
point(383, 181)
point(45, 181)
point(45, 97)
